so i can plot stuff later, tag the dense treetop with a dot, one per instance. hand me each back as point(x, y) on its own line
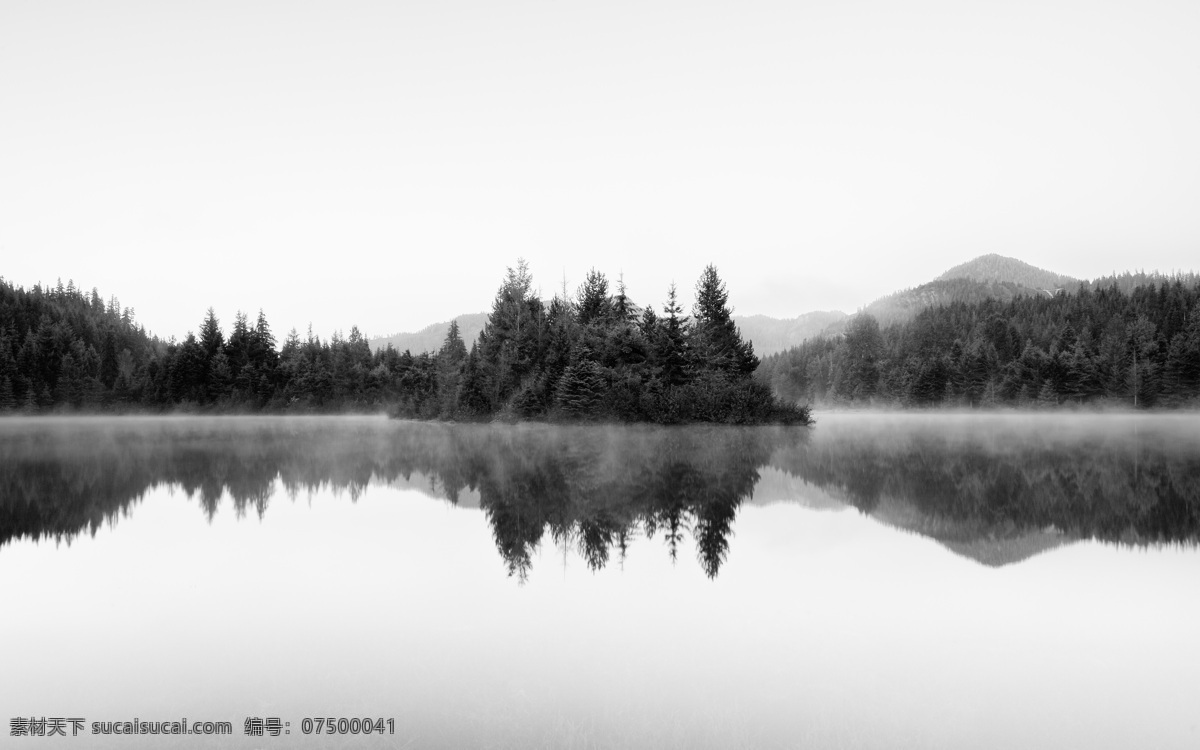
point(599, 355)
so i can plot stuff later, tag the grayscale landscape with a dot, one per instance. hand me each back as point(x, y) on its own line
point(531, 375)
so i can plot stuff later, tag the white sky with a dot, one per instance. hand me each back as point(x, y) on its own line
point(380, 164)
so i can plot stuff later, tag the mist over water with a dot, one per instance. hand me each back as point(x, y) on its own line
point(960, 478)
point(538, 585)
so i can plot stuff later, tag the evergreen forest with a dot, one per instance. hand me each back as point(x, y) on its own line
point(1105, 343)
point(592, 356)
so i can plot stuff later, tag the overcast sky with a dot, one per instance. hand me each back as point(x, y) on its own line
point(381, 164)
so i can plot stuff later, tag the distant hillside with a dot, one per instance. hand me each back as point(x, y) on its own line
point(998, 268)
point(902, 306)
point(771, 335)
point(430, 338)
point(984, 278)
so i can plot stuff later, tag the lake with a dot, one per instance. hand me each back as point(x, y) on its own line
point(876, 581)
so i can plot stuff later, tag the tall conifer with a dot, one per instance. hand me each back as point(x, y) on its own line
point(716, 342)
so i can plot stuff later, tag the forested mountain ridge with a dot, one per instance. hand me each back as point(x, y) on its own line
point(1099, 344)
point(902, 306)
point(986, 277)
point(994, 277)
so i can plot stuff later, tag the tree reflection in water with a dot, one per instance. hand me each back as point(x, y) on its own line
point(1124, 479)
point(592, 487)
point(595, 488)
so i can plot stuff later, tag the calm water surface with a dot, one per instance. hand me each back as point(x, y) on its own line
point(877, 581)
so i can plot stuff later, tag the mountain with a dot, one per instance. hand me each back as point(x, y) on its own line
point(986, 277)
point(998, 268)
point(431, 337)
point(771, 335)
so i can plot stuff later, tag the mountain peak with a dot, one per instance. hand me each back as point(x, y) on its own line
point(999, 268)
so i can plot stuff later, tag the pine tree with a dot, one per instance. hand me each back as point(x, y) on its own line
point(212, 339)
point(453, 350)
point(264, 359)
point(624, 311)
point(716, 342)
point(473, 389)
point(864, 347)
point(580, 389)
point(561, 340)
point(648, 323)
point(513, 335)
point(264, 341)
point(593, 304)
point(450, 361)
point(1082, 379)
point(670, 350)
point(1182, 376)
point(238, 348)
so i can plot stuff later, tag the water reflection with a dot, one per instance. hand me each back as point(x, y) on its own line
point(997, 489)
point(593, 488)
point(1002, 488)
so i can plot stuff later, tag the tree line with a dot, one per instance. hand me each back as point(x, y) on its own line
point(62, 349)
point(1099, 344)
point(594, 355)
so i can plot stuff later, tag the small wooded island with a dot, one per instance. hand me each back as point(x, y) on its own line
point(601, 357)
point(594, 356)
